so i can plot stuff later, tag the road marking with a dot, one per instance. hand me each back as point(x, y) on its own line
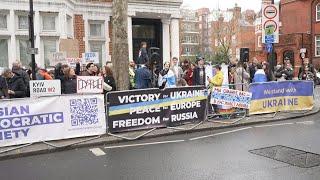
point(305, 122)
point(271, 125)
point(217, 134)
point(97, 152)
point(143, 144)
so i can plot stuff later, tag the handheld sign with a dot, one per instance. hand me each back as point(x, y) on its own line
point(89, 84)
point(90, 57)
point(39, 88)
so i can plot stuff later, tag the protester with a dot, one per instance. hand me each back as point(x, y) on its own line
point(59, 71)
point(217, 79)
point(19, 71)
point(143, 77)
point(132, 74)
point(268, 72)
point(90, 70)
point(199, 73)
point(231, 71)
point(284, 72)
point(307, 70)
point(188, 73)
point(166, 77)
point(96, 70)
point(242, 78)
point(143, 57)
point(69, 81)
point(42, 74)
point(108, 78)
point(260, 75)
point(182, 83)
point(16, 86)
point(3, 88)
point(252, 68)
point(176, 69)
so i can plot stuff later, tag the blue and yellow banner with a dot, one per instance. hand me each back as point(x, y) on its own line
point(281, 96)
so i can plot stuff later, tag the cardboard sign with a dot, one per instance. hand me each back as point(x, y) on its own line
point(39, 88)
point(89, 84)
point(230, 97)
point(90, 57)
point(58, 57)
point(73, 61)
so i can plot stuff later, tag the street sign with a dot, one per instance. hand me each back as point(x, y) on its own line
point(269, 47)
point(270, 23)
point(32, 51)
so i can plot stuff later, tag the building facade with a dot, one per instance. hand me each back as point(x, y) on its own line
point(205, 31)
point(189, 34)
point(79, 26)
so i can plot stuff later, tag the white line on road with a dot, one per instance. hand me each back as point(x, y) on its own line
point(97, 152)
point(217, 134)
point(143, 144)
point(305, 122)
point(271, 125)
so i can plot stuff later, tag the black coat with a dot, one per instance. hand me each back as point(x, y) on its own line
point(17, 85)
point(111, 82)
point(143, 56)
point(196, 77)
point(69, 85)
point(25, 77)
point(3, 88)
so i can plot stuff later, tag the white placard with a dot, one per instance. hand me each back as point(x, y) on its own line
point(72, 62)
point(51, 118)
point(209, 73)
point(270, 23)
point(58, 57)
point(90, 57)
point(89, 84)
point(39, 88)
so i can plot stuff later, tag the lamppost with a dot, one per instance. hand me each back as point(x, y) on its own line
point(31, 38)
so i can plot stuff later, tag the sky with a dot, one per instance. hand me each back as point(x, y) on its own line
point(224, 4)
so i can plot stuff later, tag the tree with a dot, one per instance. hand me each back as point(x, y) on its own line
point(120, 51)
point(223, 33)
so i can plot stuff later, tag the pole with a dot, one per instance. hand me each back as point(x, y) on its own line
point(272, 57)
point(31, 38)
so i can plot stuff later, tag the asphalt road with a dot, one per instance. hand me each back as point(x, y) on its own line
point(207, 155)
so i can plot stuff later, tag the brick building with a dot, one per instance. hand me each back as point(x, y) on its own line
point(85, 26)
point(189, 34)
point(205, 31)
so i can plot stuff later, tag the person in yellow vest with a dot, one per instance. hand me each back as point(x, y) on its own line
point(217, 79)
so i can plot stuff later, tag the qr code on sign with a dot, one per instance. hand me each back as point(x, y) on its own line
point(84, 111)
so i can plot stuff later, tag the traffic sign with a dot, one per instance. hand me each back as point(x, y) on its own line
point(270, 23)
point(269, 47)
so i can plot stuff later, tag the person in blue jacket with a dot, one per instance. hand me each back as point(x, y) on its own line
point(260, 75)
point(143, 77)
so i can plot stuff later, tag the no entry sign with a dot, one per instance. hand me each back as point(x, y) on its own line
point(270, 23)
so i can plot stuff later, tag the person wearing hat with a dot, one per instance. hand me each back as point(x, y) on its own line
point(199, 73)
point(285, 71)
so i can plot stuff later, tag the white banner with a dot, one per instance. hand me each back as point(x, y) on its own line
point(89, 84)
point(51, 118)
point(90, 57)
point(39, 88)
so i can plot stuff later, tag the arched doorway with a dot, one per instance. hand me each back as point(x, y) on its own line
point(288, 54)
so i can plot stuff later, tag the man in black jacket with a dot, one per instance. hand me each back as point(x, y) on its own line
point(19, 71)
point(143, 57)
point(199, 73)
point(16, 86)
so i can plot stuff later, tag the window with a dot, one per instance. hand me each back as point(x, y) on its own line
point(49, 47)
point(4, 53)
point(317, 46)
point(3, 21)
point(23, 22)
point(25, 58)
point(318, 12)
point(259, 41)
point(49, 22)
point(96, 29)
point(69, 26)
point(97, 47)
point(187, 50)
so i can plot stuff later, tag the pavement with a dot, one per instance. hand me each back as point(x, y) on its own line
point(223, 154)
point(61, 145)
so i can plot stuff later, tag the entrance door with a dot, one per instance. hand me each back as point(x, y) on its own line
point(146, 30)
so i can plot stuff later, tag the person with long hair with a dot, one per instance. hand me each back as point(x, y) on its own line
point(188, 73)
point(69, 81)
point(167, 77)
point(108, 77)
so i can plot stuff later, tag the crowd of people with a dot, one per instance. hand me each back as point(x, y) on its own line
point(14, 83)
